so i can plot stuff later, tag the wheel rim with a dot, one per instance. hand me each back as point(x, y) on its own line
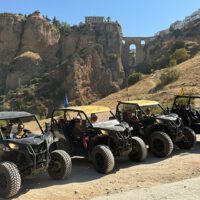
point(187, 139)
point(3, 182)
point(55, 165)
point(99, 160)
point(134, 151)
point(158, 145)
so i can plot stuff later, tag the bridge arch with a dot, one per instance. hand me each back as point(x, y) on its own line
point(141, 52)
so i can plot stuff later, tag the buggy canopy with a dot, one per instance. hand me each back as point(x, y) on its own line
point(87, 109)
point(141, 102)
point(14, 115)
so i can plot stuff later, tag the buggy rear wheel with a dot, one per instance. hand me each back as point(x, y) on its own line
point(160, 144)
point(102, 159)
point(189, 139)
point(10, 179)
point(60, 165)
point(139, 150)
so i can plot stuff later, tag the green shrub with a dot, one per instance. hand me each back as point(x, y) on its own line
point(29, 94)
point(143, 68)
point(180, 55)
point(172, 62)
point(169, 76)
point(134, 78)
point(178, 45)
point(35, 80)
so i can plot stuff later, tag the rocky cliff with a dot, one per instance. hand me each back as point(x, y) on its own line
point(164, 45)
point(39, 65)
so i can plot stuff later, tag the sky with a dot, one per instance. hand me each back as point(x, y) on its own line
point(137, 17)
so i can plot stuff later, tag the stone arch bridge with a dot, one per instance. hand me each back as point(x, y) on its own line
point(142, 49)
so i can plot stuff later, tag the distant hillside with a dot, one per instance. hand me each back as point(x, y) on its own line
point(145, 89)
point(165, 45)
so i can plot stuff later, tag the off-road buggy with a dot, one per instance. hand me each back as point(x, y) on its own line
point(158, 128)
point(187, 107)
point(98, 140)
point(28, 155)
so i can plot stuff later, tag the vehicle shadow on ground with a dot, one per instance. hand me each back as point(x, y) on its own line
point(83, 170)
point(122, 163)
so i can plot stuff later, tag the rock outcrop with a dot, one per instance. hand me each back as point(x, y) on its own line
point(40, 65)
point(23, 69)
point(41, 37)
point(11, 29)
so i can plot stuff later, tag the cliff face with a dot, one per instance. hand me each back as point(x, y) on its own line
point(38, 65)
point(164, 45)
point(41, 37)
point(11, 27)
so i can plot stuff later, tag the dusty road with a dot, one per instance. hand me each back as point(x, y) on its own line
point(86, 183)
point(187, 189)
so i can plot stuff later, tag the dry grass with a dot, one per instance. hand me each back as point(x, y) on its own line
point(145, 89)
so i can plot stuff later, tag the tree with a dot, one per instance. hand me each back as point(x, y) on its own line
point(56, 23)
point(48, 19)
point(64, 28)
point(108, 19)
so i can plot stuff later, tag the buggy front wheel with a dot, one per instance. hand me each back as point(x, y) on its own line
point(10, 180)
point(139, 150)
point(160, 144)
point(102, 159)
point(188, 140)
point(60, 165)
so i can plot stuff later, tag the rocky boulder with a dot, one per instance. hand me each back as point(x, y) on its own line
point(23, 70)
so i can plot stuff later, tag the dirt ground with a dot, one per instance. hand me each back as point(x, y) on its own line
point(86, 183)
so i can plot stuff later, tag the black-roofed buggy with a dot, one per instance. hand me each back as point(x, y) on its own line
point(187, 107)
point(29, 154)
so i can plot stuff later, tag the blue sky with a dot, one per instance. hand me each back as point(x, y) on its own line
point(137, 17)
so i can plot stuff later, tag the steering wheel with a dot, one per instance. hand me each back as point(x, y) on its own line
point(26, 131)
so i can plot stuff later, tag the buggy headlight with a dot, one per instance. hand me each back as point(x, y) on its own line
point(13, 146)
point(158, 121)
point(104, 132)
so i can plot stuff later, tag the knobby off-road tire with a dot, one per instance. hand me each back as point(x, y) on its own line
point(10, 179)
point(160, 144)
point(139, 150)
point(60, 165)
point(102, 159)
point(189, 139)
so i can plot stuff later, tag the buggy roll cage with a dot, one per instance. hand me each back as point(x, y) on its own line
point(77, 111)
point(189, 97)
point(120, 102)
point(15, 115)
point(1, 135)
